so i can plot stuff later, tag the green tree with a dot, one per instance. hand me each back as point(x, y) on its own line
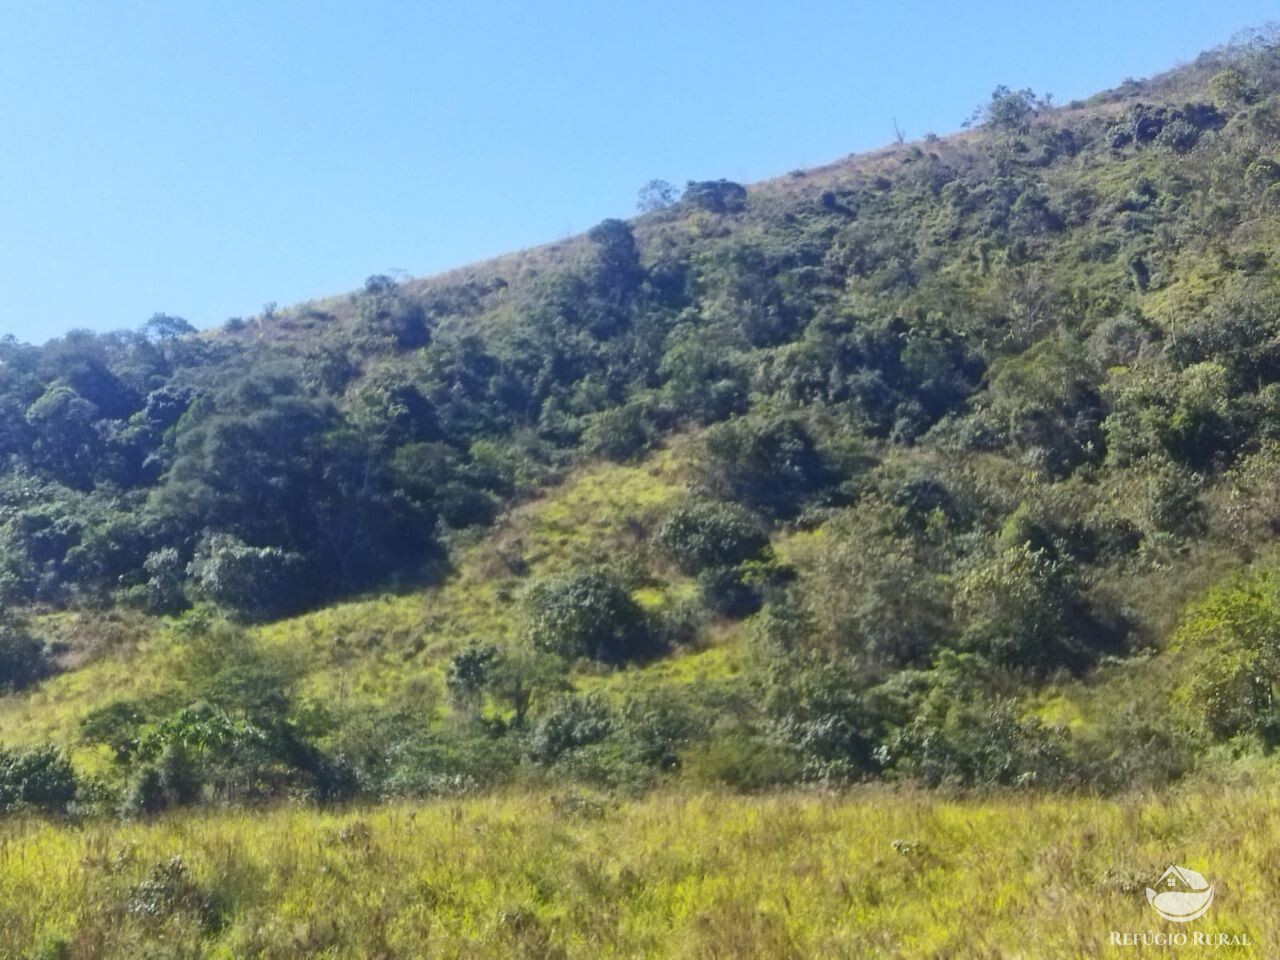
point(1231, 638)
point(588, 614)
point(771, 466)
point(703, 535)
point(1023, 609)
point(656, 195)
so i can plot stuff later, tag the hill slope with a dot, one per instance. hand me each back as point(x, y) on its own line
point(953, 465)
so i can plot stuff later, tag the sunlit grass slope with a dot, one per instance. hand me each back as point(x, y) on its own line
point(368, 648)
point(872, 872)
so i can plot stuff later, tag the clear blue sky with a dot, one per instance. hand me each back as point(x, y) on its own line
point(204, 158)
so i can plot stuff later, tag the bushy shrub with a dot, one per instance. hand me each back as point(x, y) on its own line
point(741, 759)
point(979, 743)
point(24, 660)
point(771, 466)
point(170, 780)
point(1023, 609)
point(703, 535)
point(467, 674)
point(165, 575)
point(428, 764)
point(656, 725)
point(1231, 637)
point(569, 724)
point(1133, 749)
point(115, 725)
point(619, 434)
point(169, 891)
point(701, 383)
point(588, 614)
point(41, 778)
point(727, 593)
point(716, 196)
point(820, 709)
point(871, 592)
point(1047, 402)
point(254, 582)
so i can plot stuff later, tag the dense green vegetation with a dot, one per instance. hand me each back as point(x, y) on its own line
point(911, 465)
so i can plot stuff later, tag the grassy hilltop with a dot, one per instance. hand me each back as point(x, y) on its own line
point(878, 560)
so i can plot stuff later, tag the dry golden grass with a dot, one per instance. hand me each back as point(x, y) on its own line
point(873, 872)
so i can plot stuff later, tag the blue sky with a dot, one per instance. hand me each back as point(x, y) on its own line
point(203, 158)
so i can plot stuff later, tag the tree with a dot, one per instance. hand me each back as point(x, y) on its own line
point(254, 582)
point(588, 614)
point(67, 442)
point(716, 196)
point(515, 677)
point(571, 723)
point(1024, 611)
point(656, 195)
point(23, 658)
point(771, 466)
point(162, 327)
point(468, 673)
point(386, 313)
point(41, 777)
point(704, 535)
point(1009, 110)
point(1231, 88)
point(871, 594)
point(617, 434)
point(1232, 638)
point(521, 678)
point(164, 593)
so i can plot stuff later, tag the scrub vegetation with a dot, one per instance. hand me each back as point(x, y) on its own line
point(792, 570)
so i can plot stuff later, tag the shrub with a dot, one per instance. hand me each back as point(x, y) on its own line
point(171, 780)
point(24, 660)
point(571, 723)
point(702, 383)
point(1232, 638)
point(742, 760)
point(588, 614)
point(871, 593)
point(164, 593)
point(1009, 110)
point(979, 743)
point(656, 725)
point(1023, 610)
point(772, 467)
point(41, 777)
point(169, 891)
point(255, 582)
point(468, 672)
point(1131, 749)
point(619, 434)
point(656, 195)
point(820, 710)
point(716, 196)
point(726, 592)
point(706, 535)
point(116, 725)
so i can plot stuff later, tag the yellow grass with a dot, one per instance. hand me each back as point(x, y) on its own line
point(372, 648)
point(872, 872)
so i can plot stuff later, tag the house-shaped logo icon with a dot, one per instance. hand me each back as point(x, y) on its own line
point(1181, 895)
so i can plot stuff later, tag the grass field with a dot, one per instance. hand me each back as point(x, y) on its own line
point(871, 872)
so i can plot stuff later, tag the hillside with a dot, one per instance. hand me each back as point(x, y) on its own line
point(946, 475)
